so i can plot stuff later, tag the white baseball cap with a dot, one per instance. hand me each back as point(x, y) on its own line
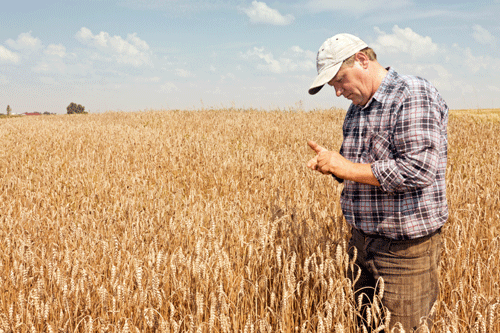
point(331, 55)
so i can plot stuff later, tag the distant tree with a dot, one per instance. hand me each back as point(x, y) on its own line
point(75, 108)
point(8, 110)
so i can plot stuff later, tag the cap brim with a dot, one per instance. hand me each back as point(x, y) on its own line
point(323, 78)
point(313, 91)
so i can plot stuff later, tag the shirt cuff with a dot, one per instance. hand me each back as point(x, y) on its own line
point(387, 175)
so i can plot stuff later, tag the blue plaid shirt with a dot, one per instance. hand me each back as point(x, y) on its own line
point(402, 134)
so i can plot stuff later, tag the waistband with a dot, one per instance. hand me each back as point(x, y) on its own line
point(375, 236)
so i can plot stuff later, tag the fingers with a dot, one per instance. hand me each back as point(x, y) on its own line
point(319, 164)
point(313, 162)
point(322, 161)
point(314, 146)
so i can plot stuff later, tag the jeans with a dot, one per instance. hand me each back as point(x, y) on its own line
point(409, 269)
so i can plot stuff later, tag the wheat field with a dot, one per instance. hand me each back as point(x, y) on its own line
point(209, 221)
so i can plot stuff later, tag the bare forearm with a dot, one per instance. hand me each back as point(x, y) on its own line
point(361, 173)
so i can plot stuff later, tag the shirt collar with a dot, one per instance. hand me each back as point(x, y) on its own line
point(382, 88)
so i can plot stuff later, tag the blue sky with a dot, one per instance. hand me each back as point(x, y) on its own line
point(131, 55)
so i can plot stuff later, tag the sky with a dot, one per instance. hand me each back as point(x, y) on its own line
point(137, 55)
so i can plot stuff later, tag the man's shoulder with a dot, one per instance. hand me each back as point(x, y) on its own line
point(410, 83)
point(406, 87)
point(394, 87)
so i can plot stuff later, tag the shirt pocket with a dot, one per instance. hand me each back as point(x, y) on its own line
point(377, 146)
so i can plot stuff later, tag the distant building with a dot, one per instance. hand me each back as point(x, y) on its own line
point(32, 114)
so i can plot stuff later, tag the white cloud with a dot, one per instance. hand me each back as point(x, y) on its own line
point(294, 59)
point(230, 76)
point(308, 56)
point(483, 36)
point(475, 63)
point(168, 87)
point(7, 55)
point(57, 50)
point(441, 77)
point(271, 65)
point(41, 67)
point(57, 66)
point(259, 12)
point(404, 41)
point(25, 42)
point(183, 73)
point(355, 7)
point(433, 70)
point(472, 62)
point(131, 51)
point(139, 43)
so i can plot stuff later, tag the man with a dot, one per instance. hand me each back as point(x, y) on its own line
point(392, 162)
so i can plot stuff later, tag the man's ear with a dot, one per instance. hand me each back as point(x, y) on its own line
point(362, 59)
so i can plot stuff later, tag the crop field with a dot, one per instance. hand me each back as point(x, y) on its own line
point(209, 221)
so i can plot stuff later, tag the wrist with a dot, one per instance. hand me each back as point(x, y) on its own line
point(362, 173)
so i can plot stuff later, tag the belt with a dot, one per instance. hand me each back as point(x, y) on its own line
point(375, 236)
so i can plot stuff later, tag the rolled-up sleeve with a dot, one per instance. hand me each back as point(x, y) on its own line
point(416, 143)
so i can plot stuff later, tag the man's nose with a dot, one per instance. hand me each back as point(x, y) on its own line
point(339, 91)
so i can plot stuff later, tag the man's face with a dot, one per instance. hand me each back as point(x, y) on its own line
point(351, 82)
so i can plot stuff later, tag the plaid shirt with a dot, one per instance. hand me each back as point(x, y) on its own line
point(401, 132)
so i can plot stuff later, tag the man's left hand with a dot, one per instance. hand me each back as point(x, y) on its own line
point(328, 162)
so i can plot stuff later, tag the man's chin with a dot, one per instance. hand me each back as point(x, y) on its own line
point(357, 102)
point(352, 98)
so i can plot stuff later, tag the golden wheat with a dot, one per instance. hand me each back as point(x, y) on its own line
point(209, 221)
